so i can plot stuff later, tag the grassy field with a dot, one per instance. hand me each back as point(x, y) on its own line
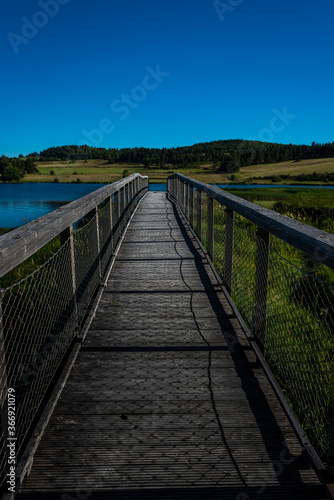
point(99, 171)
point(292, 168)
point(311, 206)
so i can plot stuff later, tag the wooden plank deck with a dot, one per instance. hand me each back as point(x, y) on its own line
point(166, 400)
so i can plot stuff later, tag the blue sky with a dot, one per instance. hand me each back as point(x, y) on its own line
point(164, 73)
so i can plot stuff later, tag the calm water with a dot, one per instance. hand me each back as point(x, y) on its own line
point(22, 203)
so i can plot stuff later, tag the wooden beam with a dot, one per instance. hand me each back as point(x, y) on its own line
point(21, 243)
point(317, 244)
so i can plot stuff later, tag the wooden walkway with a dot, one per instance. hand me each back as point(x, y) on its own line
point(166, 400)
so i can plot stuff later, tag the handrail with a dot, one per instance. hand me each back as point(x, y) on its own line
point(43, 313)
point(286, 309)
point(21, 243)
point(318, 244)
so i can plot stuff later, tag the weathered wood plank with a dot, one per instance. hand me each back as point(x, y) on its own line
point(166, 399)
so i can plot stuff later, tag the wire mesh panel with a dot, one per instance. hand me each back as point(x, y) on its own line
point(105, 234)
point(39, 324)
point(116, 229)
point(286, 299)
point(205, 203)
point(300, 341)
point(87, 268)
point(45, 299)
point(198, 213)
point(244, 265)
point(219, 238)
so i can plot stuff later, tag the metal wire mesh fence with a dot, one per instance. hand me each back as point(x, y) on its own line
point(286, 298)
point(41, 314)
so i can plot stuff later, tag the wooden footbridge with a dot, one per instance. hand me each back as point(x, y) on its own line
point(161, 393)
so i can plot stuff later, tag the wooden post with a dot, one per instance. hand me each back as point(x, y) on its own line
point(122, 202)
point(186, 201)
point(111, 223)
point(199, 214)
point(191, 207)
point(210, 227)
point(117, 206)
point(261, 286)
point(136, 190)
point(229, 245)
point(64, 236)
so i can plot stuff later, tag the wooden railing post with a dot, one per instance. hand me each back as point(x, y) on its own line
point(183, 194)
point(111, 223)
point(122, 201)
point(261, 286)
point(136, 189)
point(210, 228)
point(97, 228)
point(199, 214)
point(117, 205)
point(191, 207)
point(186, 201)
point(229, 246)
point(64, 237)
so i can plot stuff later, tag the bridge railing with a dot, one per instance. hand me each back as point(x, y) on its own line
point(279, 273)
point(50, 271)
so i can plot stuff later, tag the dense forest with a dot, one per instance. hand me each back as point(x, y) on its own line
point(14, 169)
point(228, 155)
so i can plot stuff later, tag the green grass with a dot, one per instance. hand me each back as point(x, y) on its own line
point(300, 314)
point(311, 206)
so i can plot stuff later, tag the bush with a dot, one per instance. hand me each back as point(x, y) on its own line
point(56, 180)
point(52, 172)
point(126, 173)
point(11, 174)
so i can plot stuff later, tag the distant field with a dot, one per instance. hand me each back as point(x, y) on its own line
point(99, 171)
point(287, 167)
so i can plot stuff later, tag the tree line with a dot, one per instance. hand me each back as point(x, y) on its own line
point(228, 156)
point(14, 169)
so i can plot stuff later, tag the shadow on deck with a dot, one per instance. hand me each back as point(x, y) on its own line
point(167, 400)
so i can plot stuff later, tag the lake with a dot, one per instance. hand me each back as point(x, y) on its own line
point(24, 202)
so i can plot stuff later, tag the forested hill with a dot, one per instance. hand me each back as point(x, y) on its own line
point(227, 155)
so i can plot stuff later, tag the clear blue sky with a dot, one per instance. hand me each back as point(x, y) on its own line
point(165, 73)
